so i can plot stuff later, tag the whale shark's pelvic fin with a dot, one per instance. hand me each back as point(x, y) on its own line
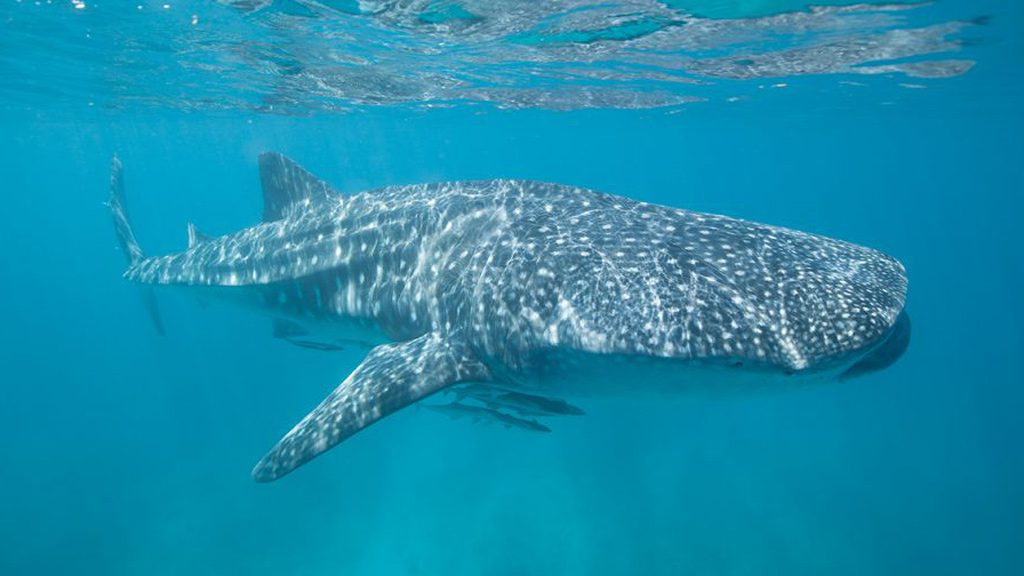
point(126, 237)
point(294, 333)
point(390, 378)
point(195, 237)
point(285, 329)
point(286, 184)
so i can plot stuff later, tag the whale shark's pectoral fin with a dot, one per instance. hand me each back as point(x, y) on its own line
point(390, 378)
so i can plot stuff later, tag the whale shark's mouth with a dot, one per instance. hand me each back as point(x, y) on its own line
point(885, 354)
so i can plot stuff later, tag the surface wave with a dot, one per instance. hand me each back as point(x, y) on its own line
point(299, 55)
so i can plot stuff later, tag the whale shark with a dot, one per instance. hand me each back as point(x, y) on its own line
point(533, 287)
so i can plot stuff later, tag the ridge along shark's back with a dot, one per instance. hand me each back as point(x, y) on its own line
point(477, 280)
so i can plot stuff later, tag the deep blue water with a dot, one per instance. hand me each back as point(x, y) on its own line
point(125, 452)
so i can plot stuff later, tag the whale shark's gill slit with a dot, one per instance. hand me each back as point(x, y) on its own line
point(318, 298)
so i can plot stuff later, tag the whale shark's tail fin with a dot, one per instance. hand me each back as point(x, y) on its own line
point(122, 226)
point(126, 237)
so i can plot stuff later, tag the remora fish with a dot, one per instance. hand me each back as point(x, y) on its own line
point(479, 413)
point(521, 402)
point(534, 286)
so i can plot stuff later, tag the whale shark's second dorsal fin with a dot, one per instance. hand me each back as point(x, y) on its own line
point(195, 237)
point(286, 184)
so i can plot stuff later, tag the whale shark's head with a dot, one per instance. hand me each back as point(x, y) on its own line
point(796, 303)
point(849, 318)
point(705, 290)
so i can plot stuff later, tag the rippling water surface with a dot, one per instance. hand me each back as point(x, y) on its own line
point(302, 56)
point(896, 126)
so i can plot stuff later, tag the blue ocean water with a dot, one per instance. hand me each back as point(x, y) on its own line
point(127, 452)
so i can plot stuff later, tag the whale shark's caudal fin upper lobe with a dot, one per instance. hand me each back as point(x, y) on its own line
point(391, 377)
point(126, 237)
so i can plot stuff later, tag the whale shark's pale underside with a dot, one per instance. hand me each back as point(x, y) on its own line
point(532, 288)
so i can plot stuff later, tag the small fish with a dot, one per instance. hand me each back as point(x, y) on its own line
point(456, 410)
point(314, 345)
point(519, 402)
point(509, 421)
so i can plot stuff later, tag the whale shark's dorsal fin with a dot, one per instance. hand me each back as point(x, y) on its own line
point(391, 377)
point(195, 237)
point(286, 184)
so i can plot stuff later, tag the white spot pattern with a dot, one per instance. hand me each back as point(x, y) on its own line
point(520, 266)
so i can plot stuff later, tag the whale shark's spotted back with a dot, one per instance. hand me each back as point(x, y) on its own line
point(478, 280)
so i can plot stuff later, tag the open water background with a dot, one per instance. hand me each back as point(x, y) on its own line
point(124, 452)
